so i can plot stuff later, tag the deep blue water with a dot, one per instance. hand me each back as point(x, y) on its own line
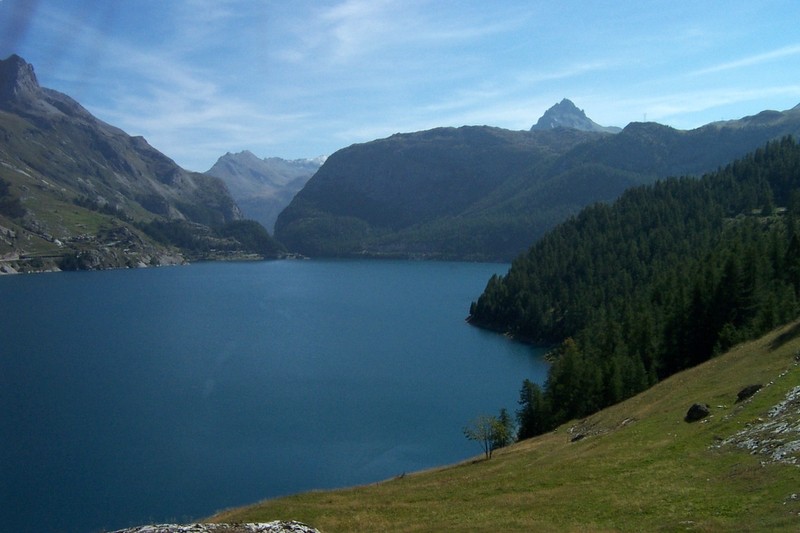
point(167, 394)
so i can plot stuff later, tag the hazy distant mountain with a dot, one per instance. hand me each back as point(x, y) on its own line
point(566, 115)
point(488, 193)
point(77, 191)
point(263, 187)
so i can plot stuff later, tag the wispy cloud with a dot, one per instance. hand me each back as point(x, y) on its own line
point(690, 109)
point(198, 78)
point(352, 30)
point(572, 70)
point(341, 33)
point(16, 25)
point(748, 61)
point(158, 92)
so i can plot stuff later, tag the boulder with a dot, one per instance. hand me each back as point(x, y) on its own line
point(697, 412)
point(748, 391)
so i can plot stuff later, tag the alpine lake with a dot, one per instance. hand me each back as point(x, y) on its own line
point(167, 394)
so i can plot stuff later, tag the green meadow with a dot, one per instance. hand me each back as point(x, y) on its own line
point(636, 466)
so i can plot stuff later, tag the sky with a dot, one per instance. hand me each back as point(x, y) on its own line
point(300, 78)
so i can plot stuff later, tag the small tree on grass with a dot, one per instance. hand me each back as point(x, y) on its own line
point(503, 430)
point(480, 430)
point(491, 432)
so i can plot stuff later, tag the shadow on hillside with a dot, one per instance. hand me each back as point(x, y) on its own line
point(783, 338)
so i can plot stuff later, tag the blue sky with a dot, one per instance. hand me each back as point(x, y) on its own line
point(294, 79)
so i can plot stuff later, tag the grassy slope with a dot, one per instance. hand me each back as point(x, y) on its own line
point(639, 468)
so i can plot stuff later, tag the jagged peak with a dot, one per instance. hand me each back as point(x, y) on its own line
point(250, 157)
point(565, 114)
point(17, 79)
point(21, 93)
point(567, 104)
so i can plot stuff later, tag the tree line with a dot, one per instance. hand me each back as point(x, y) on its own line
point(662, 279)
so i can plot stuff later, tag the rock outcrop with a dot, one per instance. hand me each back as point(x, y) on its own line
point(278, 526)
point(776, 438)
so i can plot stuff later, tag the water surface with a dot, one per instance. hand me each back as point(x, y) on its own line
point(168, 394)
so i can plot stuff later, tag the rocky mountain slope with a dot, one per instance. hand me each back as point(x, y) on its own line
point(487, 193)
point(80, 193)
point(263, 187)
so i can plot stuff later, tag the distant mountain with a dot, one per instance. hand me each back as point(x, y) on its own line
point(80, 193)
point(428, 194)
point(487, 193)
point(263, 187)
point(566, 115)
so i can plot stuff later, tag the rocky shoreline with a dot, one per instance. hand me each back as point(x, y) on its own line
point(278, 526)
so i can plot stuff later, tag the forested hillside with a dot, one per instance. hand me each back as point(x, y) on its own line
point(483, 193)
point(661, 280)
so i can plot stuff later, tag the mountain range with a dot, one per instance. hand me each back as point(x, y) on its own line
point(484, 193)
point(81, 193)
point(76, 192)
point(263, 187)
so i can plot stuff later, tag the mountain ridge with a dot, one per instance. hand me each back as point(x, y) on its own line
point(485, 193)
point(76, 192)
